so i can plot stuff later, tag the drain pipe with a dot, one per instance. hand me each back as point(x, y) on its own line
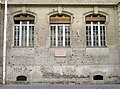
point(4, 43)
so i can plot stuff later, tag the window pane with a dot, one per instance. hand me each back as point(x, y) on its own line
point(31, 35)
point(60, 35)
point(31, 22)
point(102, 22)
point(53, 35)
point(88, 22)
point(24, 22)
point(24, 36)
point(17, 22)
point(88, 35)
point(16, 35)
point(95, 22)
point(67, 35)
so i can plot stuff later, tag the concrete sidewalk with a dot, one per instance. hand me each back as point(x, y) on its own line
point(54, 86)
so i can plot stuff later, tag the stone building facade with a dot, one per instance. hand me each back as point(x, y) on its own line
point(62, 41)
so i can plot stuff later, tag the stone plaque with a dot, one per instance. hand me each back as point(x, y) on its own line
point(60, 53)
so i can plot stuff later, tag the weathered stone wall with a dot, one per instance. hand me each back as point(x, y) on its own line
point(119, 27)
point(82, 74)
point(119, 21)
point(39, 64)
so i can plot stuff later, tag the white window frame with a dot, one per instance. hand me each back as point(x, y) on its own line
point(20, 34)
point(56, 35)
point(99, 39)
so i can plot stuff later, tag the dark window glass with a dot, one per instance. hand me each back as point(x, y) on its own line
point(98, 77)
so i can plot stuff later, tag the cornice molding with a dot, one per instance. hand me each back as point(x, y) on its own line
point(63, 2)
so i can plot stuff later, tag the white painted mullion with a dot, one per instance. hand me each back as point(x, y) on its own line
point(96, 35)
point(91, 33)
point(27, 33)
point(99, 40)
point(16, 28)
point(105, 36)
point(20, 37)
point(56, 35)
point(50, 35)
point(30, 35)
point(102, 30)
point(24, 27)
point(63, 35)
point(67, 35)
point(53, 35)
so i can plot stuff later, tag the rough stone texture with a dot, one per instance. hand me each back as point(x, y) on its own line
point(119, 27)
point(119, 22)
point(82, 74)
point(39, 63)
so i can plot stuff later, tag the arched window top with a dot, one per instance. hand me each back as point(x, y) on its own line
point(95, 17)
point(59, 15)
point(24, 17)
point(60, 18)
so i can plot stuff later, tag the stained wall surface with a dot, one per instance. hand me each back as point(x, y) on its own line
point(80, 64)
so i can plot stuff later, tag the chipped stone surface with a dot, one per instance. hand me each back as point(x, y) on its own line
point(76, 74)
point(79, 64)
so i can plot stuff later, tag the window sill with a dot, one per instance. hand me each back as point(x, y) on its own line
point(97, 47)
point(23, 46)
point(60, 47)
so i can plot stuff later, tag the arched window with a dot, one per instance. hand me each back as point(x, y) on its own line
point(98, 77)
point(95, 30)
point(21, 78)
point(60, 30)
point(24, 30)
